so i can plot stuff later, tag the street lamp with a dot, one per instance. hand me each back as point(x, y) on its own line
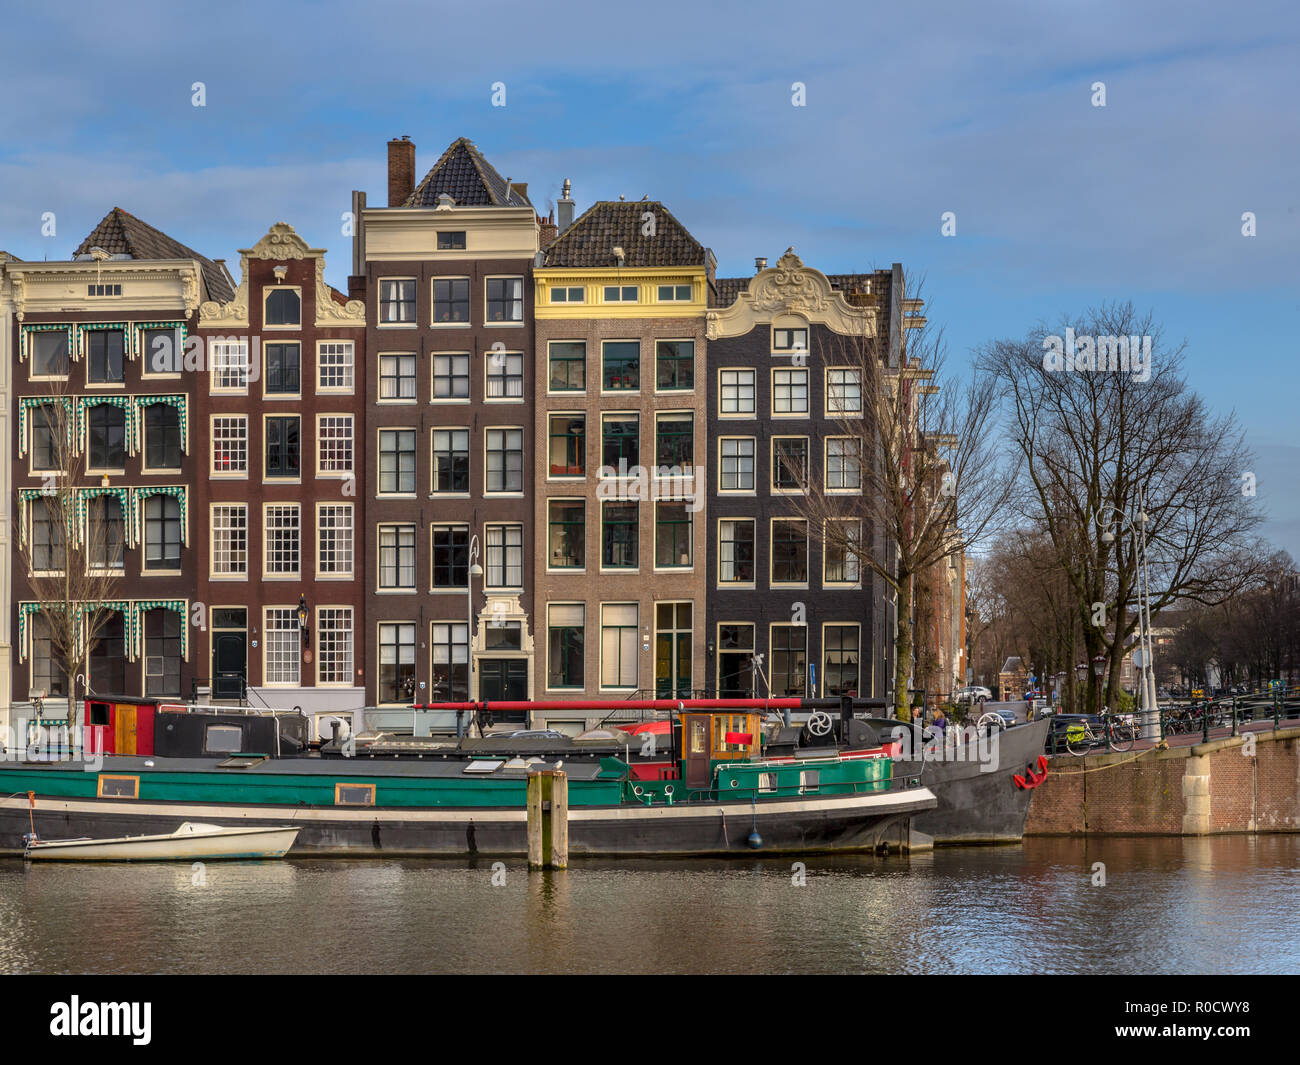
point(302, 621)
point(1081, 675)
point(475, 570)
point(1098, 669)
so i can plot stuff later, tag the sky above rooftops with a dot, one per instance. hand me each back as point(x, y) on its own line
point(983, 110)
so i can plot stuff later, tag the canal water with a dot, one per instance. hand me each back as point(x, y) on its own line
point(1219, 906)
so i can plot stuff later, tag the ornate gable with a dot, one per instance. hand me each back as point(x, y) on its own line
point(790, 287)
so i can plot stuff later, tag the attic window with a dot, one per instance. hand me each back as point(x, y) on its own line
point(569, 294)
point(789, 339)
point(674, 293)
point(620, 293)
point(103, 290)
point(283, 307)
point(451, 241)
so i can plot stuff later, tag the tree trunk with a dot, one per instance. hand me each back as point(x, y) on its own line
point(903, 650)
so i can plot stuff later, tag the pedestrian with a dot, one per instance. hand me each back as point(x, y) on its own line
point(940, 722)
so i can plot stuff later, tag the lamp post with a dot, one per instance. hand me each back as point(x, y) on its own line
point(302, 621)
point(473, 570)
point(1081, 675)
point(1098, 671)
point(1137, 528)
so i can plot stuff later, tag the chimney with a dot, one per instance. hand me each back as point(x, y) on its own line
point(520, 187)
point(760, 263)
point(546, 231)
point(564, 209)
point(401, 170)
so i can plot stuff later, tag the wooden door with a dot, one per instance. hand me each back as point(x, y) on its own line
point(125, 731)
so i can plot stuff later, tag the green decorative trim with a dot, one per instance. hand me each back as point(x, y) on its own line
point(24, 418)
point(139, 329)
point(138, 495)
point(180, 402)
point(28, 329)
point(181, 606)
point(124, 403)
point(94, 327)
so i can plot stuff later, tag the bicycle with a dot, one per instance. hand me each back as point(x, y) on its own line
point(1115, 735)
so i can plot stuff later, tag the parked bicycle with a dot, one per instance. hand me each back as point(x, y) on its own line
point(1114, 733)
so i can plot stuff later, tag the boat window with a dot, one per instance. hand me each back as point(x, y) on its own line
point(242, 761)
point(118, 787)
point(98, 714)
point(483, 765)
point(354, 795)
point(809, 780)
point(699, 736)
point(766, 782)
point(223, 739)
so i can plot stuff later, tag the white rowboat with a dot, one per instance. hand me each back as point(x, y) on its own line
point(191, 842)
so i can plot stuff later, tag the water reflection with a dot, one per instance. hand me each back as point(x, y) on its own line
point(1167, 905)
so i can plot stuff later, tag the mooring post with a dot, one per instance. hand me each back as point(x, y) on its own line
point(535, 855)
point(548, 819)
point(559, 826)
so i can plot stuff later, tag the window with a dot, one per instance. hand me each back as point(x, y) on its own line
point(162, 437)
point(567, 526)
point(106, 440)
point(106, 535)
point(48, 674)
point(48, 551)
point(108, 656)
point(450, 556)
point(620, 293)
point(569, 294)
point(283, 453)
point(230, 540)
point(397, 557)
point(334, 641)
point(396, 301)
point(283, 369)
point(789, 391)
point(49, 348)
point(505, 556)
point(505, 375)
point(354, 795)
point(451, 240)
point(809, 781)
point(672, 535)
point(674, 365)
point(283, 525)
point(789, 551)
point(450, 300)
point(104, 356)
point(568, 359)
point(396, 663)
point(283, 307)
point(334, 540)
point(567, 452)
point(334, 441)
point(840, 654)
point(735, 661)
point(451, 377)
point(451, 460)
point(163, 351)
point(104, 290)
point(505, 299)
point(450, 680)
point(789, 463)
point(334, 359)
point(736, 455)
point(618, 535)
point(841, 565)
point(46, 424)
point(283, 645)
point(396, 377)
point(736, 551)
point(843, 470)
point(674, 293)
point(162, 652)
point(735, 392)
point(229, 444)
point(789, 339)
point(565, 631)
point(396, 461)
point(673, 651)
point(621, 365)
point(618, 645)
point(505, 460)
point(229, 365)
point(843, 392)
point(675, 441)
point(162, 533)
point(620, 444)
point(789, 660)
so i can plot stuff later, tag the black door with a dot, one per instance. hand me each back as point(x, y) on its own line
point(229, 664)
point(503, 678)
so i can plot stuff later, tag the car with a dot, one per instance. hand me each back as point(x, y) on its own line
point(1005, 716)
point(972, 694)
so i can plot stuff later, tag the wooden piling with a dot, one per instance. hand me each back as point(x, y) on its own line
point(548, 820)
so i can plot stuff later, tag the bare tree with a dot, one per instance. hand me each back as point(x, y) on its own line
point(914, 477)
point(1111, 434)
point(70, 547)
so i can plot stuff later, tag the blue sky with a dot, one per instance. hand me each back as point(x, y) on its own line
point(911, 111)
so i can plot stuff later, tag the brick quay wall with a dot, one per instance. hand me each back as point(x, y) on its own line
point(1228, 785)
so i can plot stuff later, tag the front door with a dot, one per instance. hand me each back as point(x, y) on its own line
point(695, 741)
point(503, 678)
point(124, 734)
point(229, 653)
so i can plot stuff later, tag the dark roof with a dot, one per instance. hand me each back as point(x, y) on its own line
point(467, 178)
point(726, 290)
point(607, 224)
point(120, 233)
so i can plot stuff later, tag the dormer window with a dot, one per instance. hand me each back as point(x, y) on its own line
point(283, 307)
point(620, 293)
point(674, 293)
point(568, 294)
point(451, 240)
point(789, 339)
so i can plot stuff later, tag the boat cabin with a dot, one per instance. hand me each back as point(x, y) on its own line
point(123, 726)
point(716, 736)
